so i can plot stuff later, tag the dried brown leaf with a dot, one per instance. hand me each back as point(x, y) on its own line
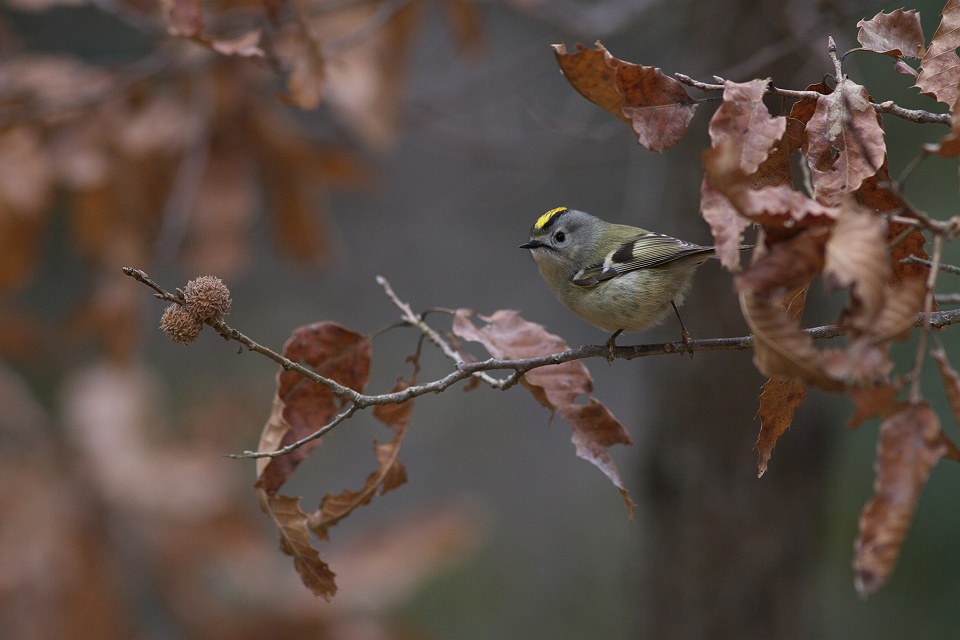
point(781, 348)
point(870, 401)
point(744, 123)
point(773, 207)
point(595, 429)
point(910, 445)
point(657, 107)
point(949, 145)
point(785, 265)
point(389, 474)
point(939, 75)
point(951, 382)
point(762, 148)
point(778, 401)
point(902, 67)
point(301, 406)
point(876, 193)
point(726, 224)
point(863, 362)
point(845, 142)
point(903, 300)
point(897, 34)
point(295, 542)
point(856, 257)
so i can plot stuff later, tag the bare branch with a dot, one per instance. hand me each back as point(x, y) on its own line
point(517, 367)
point(913, 115)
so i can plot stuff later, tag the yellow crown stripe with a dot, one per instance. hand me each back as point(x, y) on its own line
point(545, 218)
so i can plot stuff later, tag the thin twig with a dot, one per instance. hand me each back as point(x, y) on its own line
point(432, 335)
point(913, 115)
point(915, 393)
point(832, 52)
point(946, 268)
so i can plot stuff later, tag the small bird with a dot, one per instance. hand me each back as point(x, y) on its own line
point(616, 277)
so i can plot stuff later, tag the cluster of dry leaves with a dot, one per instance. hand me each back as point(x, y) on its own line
point(841, 218)
point(846, 222)
point(342, 356)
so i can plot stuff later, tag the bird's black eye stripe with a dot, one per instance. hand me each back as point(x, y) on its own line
point(560, 236)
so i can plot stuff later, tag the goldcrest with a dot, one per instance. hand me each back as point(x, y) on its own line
point(616, 277)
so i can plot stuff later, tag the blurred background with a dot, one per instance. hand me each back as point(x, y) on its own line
point(421, 146)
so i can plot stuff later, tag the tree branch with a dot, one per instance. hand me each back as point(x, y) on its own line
point(464, 369)
point(913, 115)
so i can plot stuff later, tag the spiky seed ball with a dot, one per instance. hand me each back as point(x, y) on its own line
point(207, 298)
point(180, 325)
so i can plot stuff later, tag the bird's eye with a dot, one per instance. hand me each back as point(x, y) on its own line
point(560, 236)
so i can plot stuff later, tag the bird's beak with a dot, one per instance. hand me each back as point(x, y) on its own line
point(533, 244)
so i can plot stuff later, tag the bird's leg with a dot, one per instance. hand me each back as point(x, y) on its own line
point(612, 344)
point(684, 334)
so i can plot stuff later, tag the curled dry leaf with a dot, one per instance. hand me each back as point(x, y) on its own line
point(292, 524)
point(595, 429)
point(876, 194)
point(657, 107)
point(951, 382)
point(778, 401)
point(788, 265)
point(897, 34)
point(862, 363)
point(389, 474)
point(781, 348)
point(871, 401)
point(939, 75)
point(910, 445)
point(774, 207)
point(857, 257)
point(902, 302)
point(743, 123)
point(949, 145)
point(301, 406)
point(845, 142)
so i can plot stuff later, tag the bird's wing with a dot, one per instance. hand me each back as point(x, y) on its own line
point(643, 251)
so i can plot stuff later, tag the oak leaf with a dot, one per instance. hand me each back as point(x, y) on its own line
point(301, 406)
point(845, 142)
point(909, 447)
point(939, 75)
point(875, 400)
point(951, 382)
point(781, 348)
point(778, 401)
point(786, 265)
point(857, 257)
point(773, 207)
point(556, 387)
point(292, 524)
point(897, 34)
point(743, 123)
point(389, 474)
point(656, 106)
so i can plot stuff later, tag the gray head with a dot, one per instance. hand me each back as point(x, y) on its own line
point(562, 233)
